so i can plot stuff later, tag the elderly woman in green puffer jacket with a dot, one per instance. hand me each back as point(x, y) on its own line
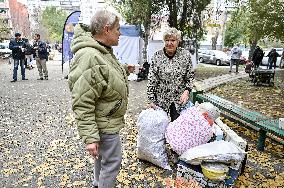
point(99, 87)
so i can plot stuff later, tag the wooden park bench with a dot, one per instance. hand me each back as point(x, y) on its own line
point(256, 119)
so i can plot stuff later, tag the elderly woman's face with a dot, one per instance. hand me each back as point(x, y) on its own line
point(171, 44)
point(113, 34)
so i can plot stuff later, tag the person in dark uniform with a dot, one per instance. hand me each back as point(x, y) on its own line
point(17, 46)
point(257, 56)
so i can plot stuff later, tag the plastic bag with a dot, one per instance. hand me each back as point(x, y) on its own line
point(218, 151)
point(152, 125)
point(132, 77)
point(186, 106)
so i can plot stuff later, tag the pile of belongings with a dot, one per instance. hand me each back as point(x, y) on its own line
point(193, 136)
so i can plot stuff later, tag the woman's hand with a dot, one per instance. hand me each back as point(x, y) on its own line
point(93, 149)
point(131, 68)
point(184, 97)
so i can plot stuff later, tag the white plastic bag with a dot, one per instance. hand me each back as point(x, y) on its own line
point(218, 151)
point(132, 77)
point(152, 125)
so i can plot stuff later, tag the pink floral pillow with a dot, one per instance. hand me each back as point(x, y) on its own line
point(190, 129)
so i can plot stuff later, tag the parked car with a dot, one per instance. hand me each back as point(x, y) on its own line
point(203, 55)
point(5, 52)
point(214, 57)
point(265, 58)
point(4, 49)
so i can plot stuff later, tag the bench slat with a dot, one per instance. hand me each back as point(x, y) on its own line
point(255, 118)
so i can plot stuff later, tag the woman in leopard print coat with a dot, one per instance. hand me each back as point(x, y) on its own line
point(171, 75)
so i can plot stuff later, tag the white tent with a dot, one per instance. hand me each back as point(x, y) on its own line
point(129, 50)
point(130, 45)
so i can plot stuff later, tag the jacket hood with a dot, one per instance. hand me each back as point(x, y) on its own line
point(83, 38)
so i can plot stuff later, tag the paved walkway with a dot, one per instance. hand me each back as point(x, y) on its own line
point(213, 82)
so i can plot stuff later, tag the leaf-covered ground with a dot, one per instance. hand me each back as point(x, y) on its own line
point(40, 147)
point(264, 169)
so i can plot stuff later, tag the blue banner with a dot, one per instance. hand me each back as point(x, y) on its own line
point(68, 33)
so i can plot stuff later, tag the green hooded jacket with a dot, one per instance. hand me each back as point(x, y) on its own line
point(99, 87)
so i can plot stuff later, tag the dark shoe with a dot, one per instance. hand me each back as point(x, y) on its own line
point(13, 80)
point(96, 186)
point(46, 78)
point(25, 79)
point(40, 79)
point(139, 79)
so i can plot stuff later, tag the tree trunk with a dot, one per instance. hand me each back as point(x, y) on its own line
point(252, 44)
point(173, 13)
point(214, 39)
point(224, 28)
point(146, 41)
point(147, 26)
point(183, 15)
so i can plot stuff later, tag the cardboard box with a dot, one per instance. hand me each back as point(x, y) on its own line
point(231, 136)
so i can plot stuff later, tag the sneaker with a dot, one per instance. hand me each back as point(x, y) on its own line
point(40, 79)
point(13, 80)
point(25, 79)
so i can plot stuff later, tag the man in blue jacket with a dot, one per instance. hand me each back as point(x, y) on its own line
point(17, 46)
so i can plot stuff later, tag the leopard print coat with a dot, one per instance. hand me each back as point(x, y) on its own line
point(169, 78)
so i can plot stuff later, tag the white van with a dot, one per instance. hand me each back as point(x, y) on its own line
point(4, 49)
point(265, 58)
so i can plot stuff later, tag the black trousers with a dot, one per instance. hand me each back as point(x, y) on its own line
point(173, 112)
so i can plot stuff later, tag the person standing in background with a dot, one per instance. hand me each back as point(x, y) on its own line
point(17, 46)
point(29, 54)
point(41, 55)
point(257, 56)
point(236, 53)
point(282, 60)
point(272, 58)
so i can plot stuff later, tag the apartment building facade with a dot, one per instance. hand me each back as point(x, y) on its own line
point(5, 19)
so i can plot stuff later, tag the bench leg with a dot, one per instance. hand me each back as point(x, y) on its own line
point(261, 140)
point(243, 166)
